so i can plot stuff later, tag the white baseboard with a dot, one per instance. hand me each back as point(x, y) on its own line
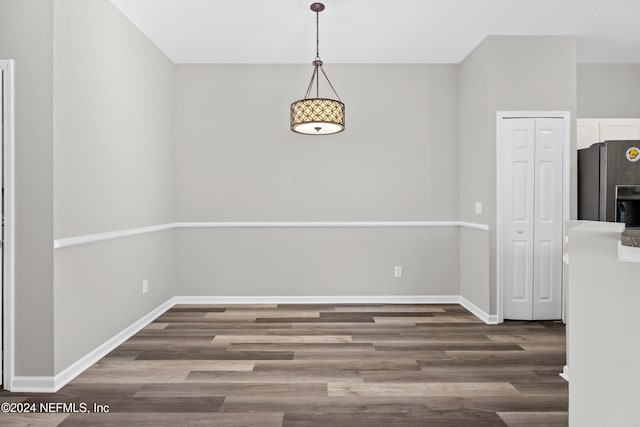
point(565, 373)
point(52, 384)
point(352, 299)
point(55, 383)
point(489, 319)
point(33, 384)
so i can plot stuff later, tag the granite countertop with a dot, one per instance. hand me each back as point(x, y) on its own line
point(631, 237)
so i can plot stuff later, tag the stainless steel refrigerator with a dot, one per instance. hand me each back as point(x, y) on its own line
point(609, 182)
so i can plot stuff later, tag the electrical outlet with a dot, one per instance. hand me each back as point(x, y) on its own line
point(478, 208)
point(397, 271)
point(145, 286)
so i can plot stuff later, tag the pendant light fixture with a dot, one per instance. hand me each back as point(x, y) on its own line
point(317, 116)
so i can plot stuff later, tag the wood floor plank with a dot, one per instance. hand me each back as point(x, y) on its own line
point(283, 339)
point(120, 354)
point(227, 306)
point(559, 347)
point(552, 339)
point(392, 308)
point(391, 313)
point(309, 376)
point(559, 387)
point(395, 338)
point(12, 399)
point(197, 308)
point(35, 420)
point(174, 419)
point(323, 307)
point(535, 419)
point(181, 343)
point(348, 325)
point(301, 347)
point(265, 314)
point(491, 403)
point(93, 392)
point(513, 370)
point(208, 320)
point(311, 329)
point(300, 404)
point(449, 319)
point(155, 325)
point(395, 419)
point(226, 324)
point(501, 358)
point(460, 346)
point(213, 332)
point(448, 375)
point(233, 389)
point(191, 348)
point(126, 366)
point(138, 375)
point(166, 404)
point(168, 317)
point(354, 364)
point(171, 340)
point(144, 404)
point(336, 318)
point(343, 389)
point(370, 355)
point(215, 355)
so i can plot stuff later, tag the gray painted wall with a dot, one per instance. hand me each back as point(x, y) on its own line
point(237, 160)
point(609, 91)
point(524, 73)
point(113, 122)
point(474, 178)
point(98, 290)
point(26, 30)
point(311, 262)
point(113, 169)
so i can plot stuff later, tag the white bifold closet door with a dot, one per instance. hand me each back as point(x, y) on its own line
point(531, 221)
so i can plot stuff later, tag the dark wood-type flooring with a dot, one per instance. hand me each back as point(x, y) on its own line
point(321, 365)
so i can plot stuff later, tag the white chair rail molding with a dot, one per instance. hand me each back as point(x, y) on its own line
point(97, 237)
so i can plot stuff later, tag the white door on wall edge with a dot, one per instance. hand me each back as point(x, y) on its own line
point(532, 217)
point(2, 131)
point(6, 211)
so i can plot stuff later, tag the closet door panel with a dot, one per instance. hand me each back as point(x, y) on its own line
point(547, 234)
point(518, 172)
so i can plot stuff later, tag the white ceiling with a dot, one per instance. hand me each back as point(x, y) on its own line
point(377, 31)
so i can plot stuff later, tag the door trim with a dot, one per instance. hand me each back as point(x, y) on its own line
point(566, 193)
point(8, 278)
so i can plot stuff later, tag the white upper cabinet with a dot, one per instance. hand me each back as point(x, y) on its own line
point(613, 129)
point(590, 131)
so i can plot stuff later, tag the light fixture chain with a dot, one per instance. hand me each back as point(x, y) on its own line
point(315, 73)
point(317, 35)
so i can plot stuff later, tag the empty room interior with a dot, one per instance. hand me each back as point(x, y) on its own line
point(443, 230)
